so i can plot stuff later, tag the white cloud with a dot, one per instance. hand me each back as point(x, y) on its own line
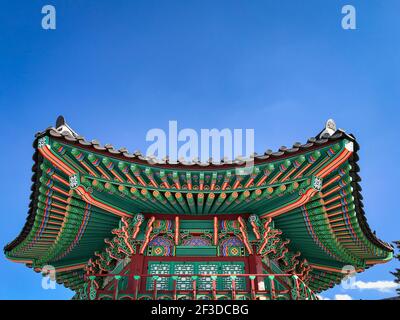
point(382, 286)
point(337, 297)
point(343, 297)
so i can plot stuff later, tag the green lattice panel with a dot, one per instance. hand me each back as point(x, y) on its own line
point(159, 268)
point(233, 268)
point(184, 283)
point(205, 283)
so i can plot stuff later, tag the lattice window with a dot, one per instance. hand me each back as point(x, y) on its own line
point(190, 268)
point(233, 268)
point(184, 283)
point(159, 268)
point(205, 283)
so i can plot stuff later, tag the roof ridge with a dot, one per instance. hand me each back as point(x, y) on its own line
point(64, 131)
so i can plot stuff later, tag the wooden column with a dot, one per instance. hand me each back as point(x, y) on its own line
point(176, 230)
point(255, 267)
point(215, 230)
point(136, 269)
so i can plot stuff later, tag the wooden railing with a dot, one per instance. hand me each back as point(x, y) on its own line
point(254, 286)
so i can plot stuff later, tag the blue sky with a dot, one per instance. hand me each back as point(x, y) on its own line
point(116, 69)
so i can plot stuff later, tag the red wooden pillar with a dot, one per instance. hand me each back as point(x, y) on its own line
point(214, 287)
point(174, 296)
point(155, 278)
point(215, 231)
point(136, 289)
point(253, 287)
point(136, 269)
point(194, 282)
point(255, 267)
point(176, 230)
point(272, 285)
point(233, 278)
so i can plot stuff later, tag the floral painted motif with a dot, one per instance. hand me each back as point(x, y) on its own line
point(196, 242)
point(231, 246)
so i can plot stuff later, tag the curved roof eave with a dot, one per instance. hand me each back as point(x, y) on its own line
point(64, 133)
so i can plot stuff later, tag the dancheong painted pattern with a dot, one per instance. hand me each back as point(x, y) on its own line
point(116, 225)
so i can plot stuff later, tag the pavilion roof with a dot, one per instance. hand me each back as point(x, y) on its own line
point(81, 189)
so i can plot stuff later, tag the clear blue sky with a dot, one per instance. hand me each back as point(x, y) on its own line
point(116, 69)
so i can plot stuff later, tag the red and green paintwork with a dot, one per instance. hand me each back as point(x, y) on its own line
point(100, 216)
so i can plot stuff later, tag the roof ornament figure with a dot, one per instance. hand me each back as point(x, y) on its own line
point(63, 128)
point(330, 128)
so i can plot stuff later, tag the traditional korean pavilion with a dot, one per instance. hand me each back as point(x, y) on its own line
point(118, 225)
